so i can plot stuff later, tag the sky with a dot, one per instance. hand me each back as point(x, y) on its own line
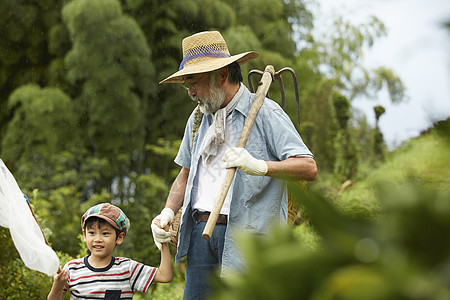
point(417, 48)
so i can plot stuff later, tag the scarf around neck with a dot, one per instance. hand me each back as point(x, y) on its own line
point(215, 135)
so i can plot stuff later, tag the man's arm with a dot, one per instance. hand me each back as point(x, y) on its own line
point(176, 194)
point(173, 204)
point(293, 168)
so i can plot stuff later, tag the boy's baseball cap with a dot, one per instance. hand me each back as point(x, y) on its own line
point(110, 213)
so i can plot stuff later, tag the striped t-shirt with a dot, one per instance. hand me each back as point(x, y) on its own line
point(119, 280)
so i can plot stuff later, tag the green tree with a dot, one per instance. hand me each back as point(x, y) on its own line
point(110, 61)
point(24, 55)
point(346, 155)
point(378, 140)
point(42, 120)
point(333, 62)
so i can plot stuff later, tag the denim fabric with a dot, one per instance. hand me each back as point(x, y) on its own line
point(257, 201)
point(204, 257)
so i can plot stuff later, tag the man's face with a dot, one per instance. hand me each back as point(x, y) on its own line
point(207, 94)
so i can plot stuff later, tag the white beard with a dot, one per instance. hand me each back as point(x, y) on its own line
point(212, 104)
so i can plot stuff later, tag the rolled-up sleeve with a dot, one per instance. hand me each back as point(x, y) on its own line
point(183, 157)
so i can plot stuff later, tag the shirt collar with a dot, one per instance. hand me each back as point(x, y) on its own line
point(242, 105)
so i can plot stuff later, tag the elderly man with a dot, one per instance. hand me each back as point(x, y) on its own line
point(258, 194)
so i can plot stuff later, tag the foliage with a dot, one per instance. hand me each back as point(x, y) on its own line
point(173, 290)
point(307, 236)
point(360, 199)
point(378, 141)
point(340, 52)
point(83, 120)
point(16, 280)
point(386, 77)
point(36, 110)
point(378, 145)
point(115, 82)
point(346, 163)
point(23, 45)
point(333, 60)
point(394, 256)
point(379, 111)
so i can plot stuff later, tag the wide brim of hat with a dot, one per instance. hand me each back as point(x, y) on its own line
point(210, 65)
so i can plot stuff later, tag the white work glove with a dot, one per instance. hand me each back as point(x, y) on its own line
point(161, 236)
point(239, 157)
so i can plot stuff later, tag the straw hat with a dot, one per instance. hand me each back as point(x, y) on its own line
point(205, 52)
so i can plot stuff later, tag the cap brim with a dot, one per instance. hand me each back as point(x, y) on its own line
point(210, 65)
point(111, 222)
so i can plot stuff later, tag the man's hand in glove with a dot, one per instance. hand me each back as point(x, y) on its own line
point(159, 234)
point(240, 158)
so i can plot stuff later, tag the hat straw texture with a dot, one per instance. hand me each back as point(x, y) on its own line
point(205, 52)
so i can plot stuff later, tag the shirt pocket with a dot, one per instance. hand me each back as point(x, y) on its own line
point(112, 294)
point(259, 215)
point(257, 149)
point(251, 186)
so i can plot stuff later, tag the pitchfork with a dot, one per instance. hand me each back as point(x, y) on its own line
point(267, 77)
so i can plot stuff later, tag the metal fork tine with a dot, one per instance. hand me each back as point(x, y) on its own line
point(294, 77)
point(278, 76)
point(280, 80)
point(250, 80)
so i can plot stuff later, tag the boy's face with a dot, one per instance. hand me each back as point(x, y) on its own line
point(101, 240)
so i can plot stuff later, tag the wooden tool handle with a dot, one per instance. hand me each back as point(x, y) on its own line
point(261, 93)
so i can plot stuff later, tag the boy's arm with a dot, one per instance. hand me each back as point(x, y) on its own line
point(59, 281)
point(164, 273)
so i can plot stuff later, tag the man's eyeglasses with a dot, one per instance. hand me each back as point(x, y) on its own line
point(191, 86)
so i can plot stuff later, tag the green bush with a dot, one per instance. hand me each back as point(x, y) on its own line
point(404, 254)
point(16, 280)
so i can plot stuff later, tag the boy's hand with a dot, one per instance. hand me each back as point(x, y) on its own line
point(60, 278)
point(59, 282)
point(158, 223)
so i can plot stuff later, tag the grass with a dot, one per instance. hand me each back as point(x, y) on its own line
point(424, 160)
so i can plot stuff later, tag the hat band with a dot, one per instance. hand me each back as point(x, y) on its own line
point(204, 53)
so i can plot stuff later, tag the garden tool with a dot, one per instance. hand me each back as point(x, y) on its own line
point(267, 77)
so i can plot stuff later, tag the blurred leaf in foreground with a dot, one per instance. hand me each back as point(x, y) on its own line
point(404, 254)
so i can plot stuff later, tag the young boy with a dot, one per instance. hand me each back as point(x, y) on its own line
point(100, 275)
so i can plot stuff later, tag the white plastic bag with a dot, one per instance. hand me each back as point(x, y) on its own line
point(25, 232)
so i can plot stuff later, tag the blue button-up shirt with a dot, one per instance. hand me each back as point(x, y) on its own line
point(256, 201)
